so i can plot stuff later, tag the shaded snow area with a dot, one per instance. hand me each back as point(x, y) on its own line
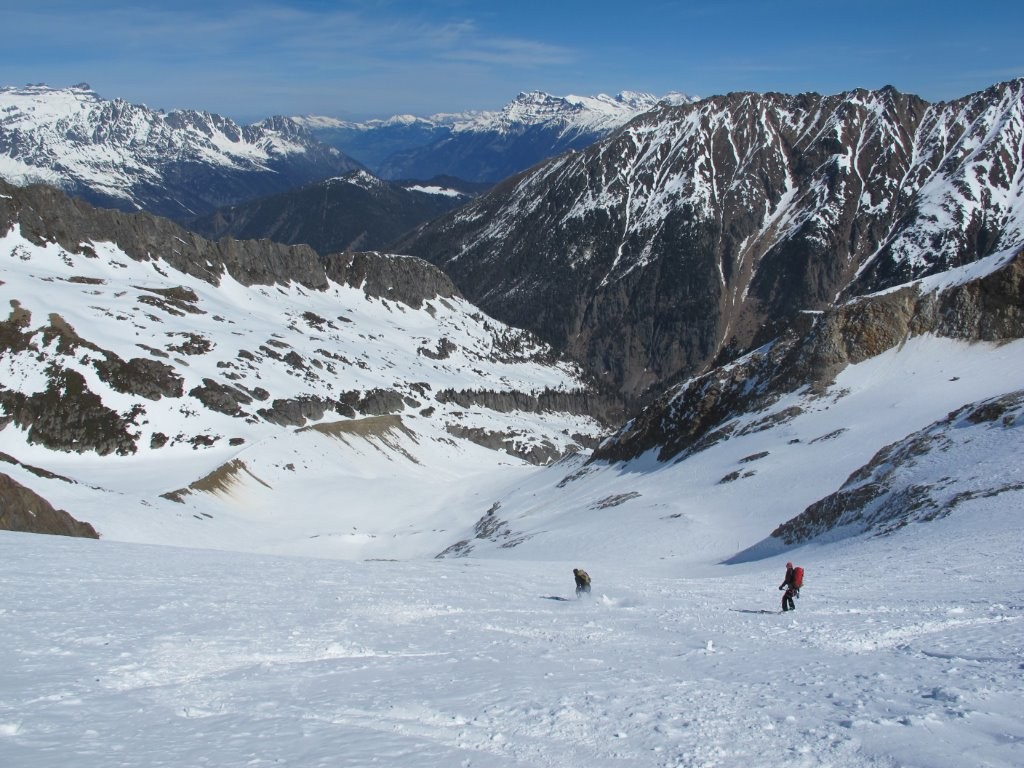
point(130, 655)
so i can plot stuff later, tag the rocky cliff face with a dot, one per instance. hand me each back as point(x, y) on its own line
point(671, 244)
point(43, 214)
point(817, 346)
point(21, 509)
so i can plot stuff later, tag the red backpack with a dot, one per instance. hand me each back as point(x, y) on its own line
point(798, 577)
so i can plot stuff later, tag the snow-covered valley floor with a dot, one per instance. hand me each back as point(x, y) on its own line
point(906, 650)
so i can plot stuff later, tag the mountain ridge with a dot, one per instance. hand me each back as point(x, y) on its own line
point(667, 246)
point(245, 383)
point(352, 212)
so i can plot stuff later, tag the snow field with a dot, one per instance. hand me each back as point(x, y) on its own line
point(154, 656)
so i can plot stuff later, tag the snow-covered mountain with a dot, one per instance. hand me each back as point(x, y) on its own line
point(253, 397)
point(244, 391)
point(887, 410)
point(484, 146)
point(177, 164)
point(214, 384)
point(674, 242)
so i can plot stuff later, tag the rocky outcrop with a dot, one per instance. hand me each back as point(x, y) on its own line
point(408, 280)
point(514, 443)
point(887, 493)
point(21, 509)
point(606, 409)
point(68, 416)
point(815, 348)
point(221, 398)
point(490, 527)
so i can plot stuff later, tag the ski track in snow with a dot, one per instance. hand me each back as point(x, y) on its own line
point(128, 655)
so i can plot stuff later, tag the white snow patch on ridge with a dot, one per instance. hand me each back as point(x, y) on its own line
point(435, 190)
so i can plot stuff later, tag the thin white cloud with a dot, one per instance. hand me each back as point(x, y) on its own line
point(508, 52)
point(277, 56)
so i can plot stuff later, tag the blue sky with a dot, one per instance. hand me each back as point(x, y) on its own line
point(365, 59)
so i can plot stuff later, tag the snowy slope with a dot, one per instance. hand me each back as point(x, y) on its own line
point(706, 507)
point(168, 407)
point(892, 395)
point(360, 647)
point(903, 651)
point(926, 476)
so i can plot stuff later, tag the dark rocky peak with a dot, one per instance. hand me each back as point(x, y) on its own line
point(648, 254)
point(355, 211)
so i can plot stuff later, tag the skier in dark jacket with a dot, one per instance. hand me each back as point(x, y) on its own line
point(582, 581)
point(792, 590)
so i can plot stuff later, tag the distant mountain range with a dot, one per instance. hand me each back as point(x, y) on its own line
point(178, 164)
point(193, 166)
point(359, 211)
point(484, 146)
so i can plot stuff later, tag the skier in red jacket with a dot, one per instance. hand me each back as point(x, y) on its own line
point(792, 588)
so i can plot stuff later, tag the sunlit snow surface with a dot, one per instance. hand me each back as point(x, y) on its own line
point(902, 652)
point(905, 650)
